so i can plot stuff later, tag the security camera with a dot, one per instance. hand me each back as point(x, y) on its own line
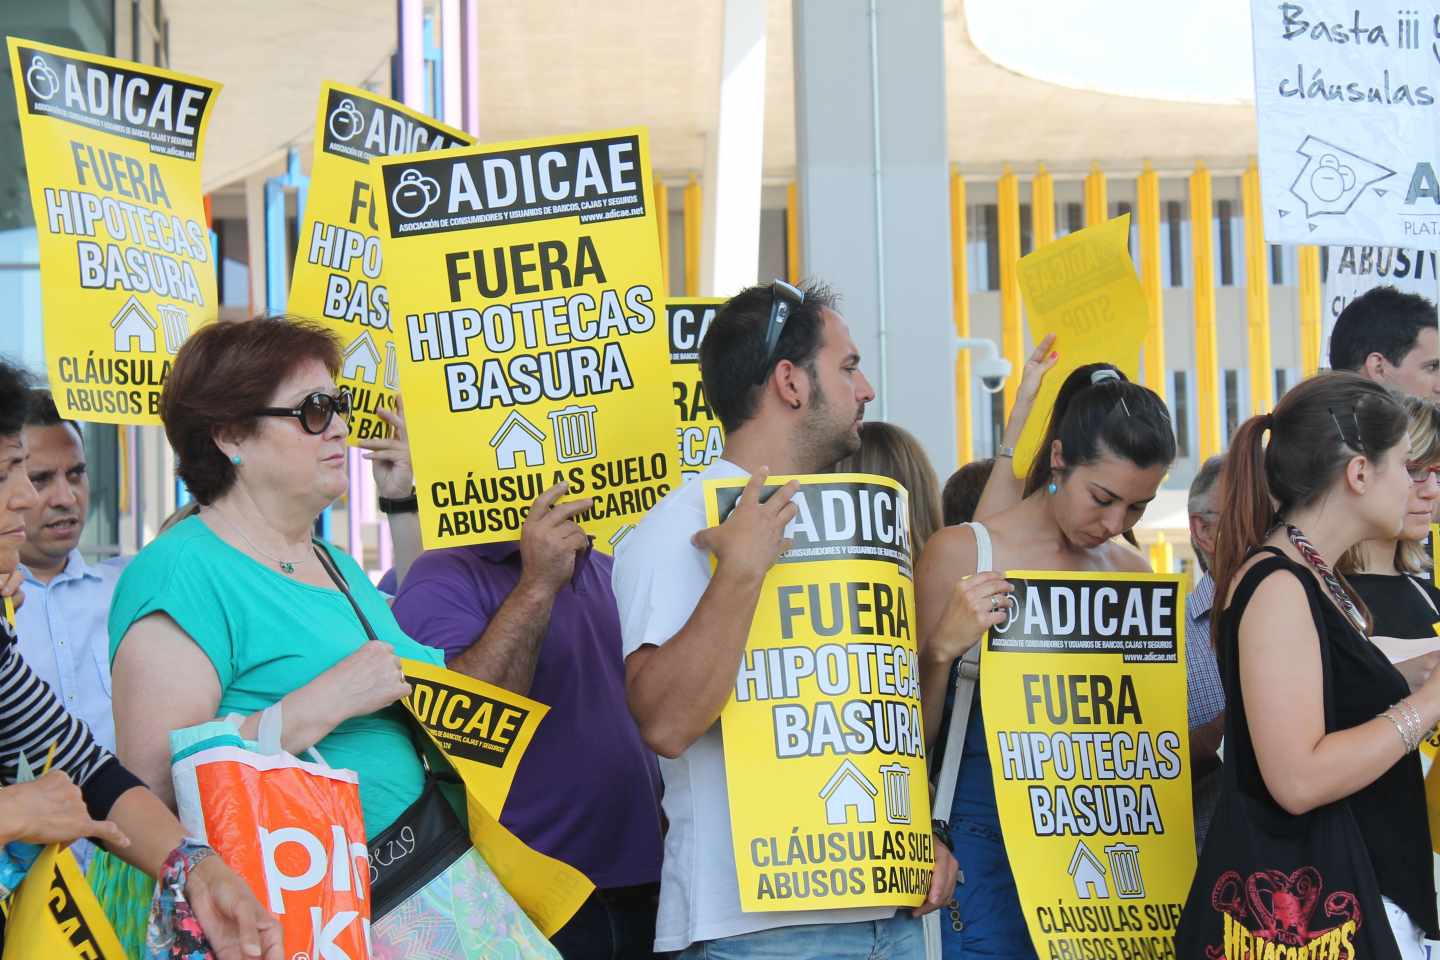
point(988, 365)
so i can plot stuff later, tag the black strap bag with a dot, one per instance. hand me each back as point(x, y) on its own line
point(1271, 877)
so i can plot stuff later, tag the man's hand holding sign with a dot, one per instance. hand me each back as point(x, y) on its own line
point(822, 720)
point(677, 691)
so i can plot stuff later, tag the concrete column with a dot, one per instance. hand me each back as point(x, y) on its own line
point(410, 31)
point(470, 64)
point(871, 152)
point(735, 154)
point(452, 47)
point(255, 241)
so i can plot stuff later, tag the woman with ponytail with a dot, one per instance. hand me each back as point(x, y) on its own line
point(1106, 449)
point(1322, 796)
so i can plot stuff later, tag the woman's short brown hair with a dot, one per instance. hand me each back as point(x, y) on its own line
point(222, 374)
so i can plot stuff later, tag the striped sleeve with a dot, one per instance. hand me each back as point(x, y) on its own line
point(32, 720)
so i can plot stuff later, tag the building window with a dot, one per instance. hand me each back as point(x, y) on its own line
point(1277, 264)
point(1180, 410)
point(1234, 403)
point(997, 420)
point(1027, 229)
point(1285, 378)
point(1174, 236)
point(1074, 217)
point(1224, 218)
point(990, 220)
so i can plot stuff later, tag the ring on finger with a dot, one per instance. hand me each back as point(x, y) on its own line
point(994, 602)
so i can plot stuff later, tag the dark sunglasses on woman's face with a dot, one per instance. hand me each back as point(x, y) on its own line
point(314, 412)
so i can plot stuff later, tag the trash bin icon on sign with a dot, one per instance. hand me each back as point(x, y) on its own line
point(574, 432)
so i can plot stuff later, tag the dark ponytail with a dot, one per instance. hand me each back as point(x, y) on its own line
point(1317, 427)
point(1094, 415)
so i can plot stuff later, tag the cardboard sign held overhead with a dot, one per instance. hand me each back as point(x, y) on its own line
point(1082, 288)
point(339, 278)
point(112, 152)
point(525, 287)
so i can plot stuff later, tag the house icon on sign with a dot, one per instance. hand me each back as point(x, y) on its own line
point(361, 360)
point(518, 439)
point(1088, 873)
point(134, 328)
point(847, 788)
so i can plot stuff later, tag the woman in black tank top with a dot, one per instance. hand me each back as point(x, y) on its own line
point(1332, 475)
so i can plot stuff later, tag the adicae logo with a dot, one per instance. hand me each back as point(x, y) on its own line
point(42, 81)
point(1011, 603)
point(414, 194)
point(346, 120)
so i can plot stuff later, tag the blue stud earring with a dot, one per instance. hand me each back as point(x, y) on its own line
point(1051, 489)
point(236, 460)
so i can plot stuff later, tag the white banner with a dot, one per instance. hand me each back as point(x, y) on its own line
point(1345, 96)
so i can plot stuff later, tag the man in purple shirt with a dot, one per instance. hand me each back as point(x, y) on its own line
point(541, 614)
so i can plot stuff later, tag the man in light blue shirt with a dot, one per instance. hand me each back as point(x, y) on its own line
point(61, 624)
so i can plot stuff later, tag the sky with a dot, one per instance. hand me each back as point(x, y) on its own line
point(1161, 49)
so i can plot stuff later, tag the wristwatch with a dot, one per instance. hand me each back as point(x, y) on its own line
point(410, 504)
point(1004, 451)
point(941, 829)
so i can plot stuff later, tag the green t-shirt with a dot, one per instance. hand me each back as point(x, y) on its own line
point(267, 635)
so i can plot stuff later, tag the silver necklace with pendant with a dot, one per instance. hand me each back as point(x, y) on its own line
point(286, 566)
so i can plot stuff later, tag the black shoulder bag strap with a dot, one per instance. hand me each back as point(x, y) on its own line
point(425, 839)
point(328, 562)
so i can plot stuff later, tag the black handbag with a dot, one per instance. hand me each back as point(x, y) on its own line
point(428, 837)
point(1270, 877)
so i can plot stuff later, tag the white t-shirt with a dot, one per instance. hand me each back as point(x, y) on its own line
point(659, 579)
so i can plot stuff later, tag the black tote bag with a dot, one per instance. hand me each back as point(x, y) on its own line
point(1270, 877)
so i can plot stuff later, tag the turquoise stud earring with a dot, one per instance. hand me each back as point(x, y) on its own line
point(1052, 489)
point(236, 460)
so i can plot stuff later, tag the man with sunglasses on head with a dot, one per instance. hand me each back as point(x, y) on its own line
point(783, 375)
point(62, 623)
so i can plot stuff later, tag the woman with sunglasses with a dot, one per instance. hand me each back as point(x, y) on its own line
point(233, 609)
point(238, 607)
point(87, 793)
point(1393, 575)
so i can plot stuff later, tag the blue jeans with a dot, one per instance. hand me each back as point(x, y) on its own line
point(898, 938)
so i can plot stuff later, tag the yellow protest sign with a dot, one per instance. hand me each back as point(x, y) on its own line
point(112, 151)
point(1083, 688)
point(699, 435)
point(550, 891)
point(1083, 289)
point(824, 748)
point(54, 914)
point(524, 281)
point(484, 730)
point(339, 278)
